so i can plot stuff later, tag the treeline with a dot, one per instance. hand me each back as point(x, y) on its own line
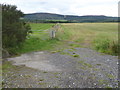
point(70, 21)
point(49, 21)
point(14, 29)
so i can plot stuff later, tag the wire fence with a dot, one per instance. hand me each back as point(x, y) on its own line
point(50, 33)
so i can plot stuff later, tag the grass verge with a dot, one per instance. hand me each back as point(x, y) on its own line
point(106, 46)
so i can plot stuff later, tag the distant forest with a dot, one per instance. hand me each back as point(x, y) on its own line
point(54, 18)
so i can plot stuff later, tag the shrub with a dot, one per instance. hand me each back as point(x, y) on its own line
point(14, 30)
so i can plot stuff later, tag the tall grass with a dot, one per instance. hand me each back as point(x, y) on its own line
point(107, 43)
point(101, 36)
point(106, 46)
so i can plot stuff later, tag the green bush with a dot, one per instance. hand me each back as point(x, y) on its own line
point(14, 29)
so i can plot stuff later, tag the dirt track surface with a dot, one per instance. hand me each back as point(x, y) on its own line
point(69, 68)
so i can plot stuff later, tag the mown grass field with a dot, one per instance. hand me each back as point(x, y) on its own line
point(100, 36)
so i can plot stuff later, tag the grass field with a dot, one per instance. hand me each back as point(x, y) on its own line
point(100, 36)
point(40, 26)
point(36, 41)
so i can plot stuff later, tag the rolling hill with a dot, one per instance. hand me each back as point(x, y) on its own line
point(45, 17)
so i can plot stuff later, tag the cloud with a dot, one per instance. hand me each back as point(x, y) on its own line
point(74, 7)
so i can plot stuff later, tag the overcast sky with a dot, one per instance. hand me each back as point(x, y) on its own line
point(67, 7)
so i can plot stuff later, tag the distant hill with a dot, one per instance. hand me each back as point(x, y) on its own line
point(45, 17)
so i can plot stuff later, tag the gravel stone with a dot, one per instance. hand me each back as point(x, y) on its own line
point(44, 69)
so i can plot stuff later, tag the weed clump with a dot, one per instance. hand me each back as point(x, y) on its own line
point(53, 51)
point(41, 80)
point(106, 46)
point(74, 45)
point(75, 55)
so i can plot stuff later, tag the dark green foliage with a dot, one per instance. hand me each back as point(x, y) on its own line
point(48, 21)
point(14, 30)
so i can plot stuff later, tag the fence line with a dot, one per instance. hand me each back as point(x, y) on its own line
point(52, 31)
point(40, 30)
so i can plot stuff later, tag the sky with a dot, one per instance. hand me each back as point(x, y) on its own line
point(67, 7)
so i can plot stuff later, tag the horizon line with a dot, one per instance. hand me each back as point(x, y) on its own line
point(70, 14)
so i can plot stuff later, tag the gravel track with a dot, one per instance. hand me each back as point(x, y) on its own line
point(68, 68)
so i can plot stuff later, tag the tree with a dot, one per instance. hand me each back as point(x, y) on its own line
point(14, 29)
